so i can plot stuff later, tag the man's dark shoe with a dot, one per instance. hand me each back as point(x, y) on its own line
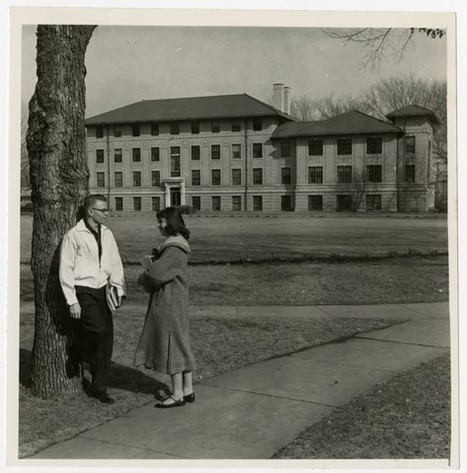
point(103, 397)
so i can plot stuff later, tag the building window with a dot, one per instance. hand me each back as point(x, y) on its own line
point(257, 124)
point(286, 149)
point(155, 178)
point(258, 203)
point(136, 155)
point(286, 203)
point(117, 155)
point(315, 175)
point(257, 176)
point(156, 204)
point(236, 126)
point(195, 127)
point(236, 177)
point(236, 151)
point(373, 202)
point(100, 179)
point(135, 131)
point(215, 177)
point(154, 129)
point(236, 203)
point(117, 132)
point(315, 148)
point(136, 178)
point(410, 173)
point(119, 203)
point(409, 144)
point(344, 174)
point(118, 178)
point(344, 203)
point(195, 153)
point(215, 127)
point(99, 156)
point(99, 131)
point(136, 203)
point(374, 145)
point(374, 173)
point(155, 154)
point(195, 177)
point(175, 161)
point(315, 202)
point(196, 202)
point(174, 128)
point(286, 176)
point(344, 146)
point(216, 203)
point(257, 150)
point(215, 151)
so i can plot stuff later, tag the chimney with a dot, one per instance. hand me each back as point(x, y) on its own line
point(286, 108)
point(278, 96)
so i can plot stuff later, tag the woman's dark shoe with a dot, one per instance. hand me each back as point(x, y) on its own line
point(167, 405)
point(189, 398)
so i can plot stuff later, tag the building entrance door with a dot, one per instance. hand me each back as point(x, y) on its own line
point(175, 196)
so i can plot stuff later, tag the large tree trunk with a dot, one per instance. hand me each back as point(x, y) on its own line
point(59, 182)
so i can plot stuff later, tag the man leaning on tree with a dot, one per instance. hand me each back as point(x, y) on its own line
point(89, 262)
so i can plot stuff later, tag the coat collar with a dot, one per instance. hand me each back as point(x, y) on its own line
point(81, 227)
point(177, 241)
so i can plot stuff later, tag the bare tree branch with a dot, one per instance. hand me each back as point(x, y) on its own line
point(377, 43)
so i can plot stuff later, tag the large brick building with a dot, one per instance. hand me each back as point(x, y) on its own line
point(236, 153)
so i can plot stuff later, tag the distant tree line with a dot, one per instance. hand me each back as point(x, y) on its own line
point(383, 97)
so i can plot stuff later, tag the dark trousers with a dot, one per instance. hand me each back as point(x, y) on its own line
point(95, 341)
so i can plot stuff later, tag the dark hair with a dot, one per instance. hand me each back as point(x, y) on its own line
point(175, 223)
point(90, 200)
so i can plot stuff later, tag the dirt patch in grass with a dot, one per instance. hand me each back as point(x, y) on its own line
point(396, 280)
point(220, 345)
point(406, 418)
point(246, 236)
point(393, 280)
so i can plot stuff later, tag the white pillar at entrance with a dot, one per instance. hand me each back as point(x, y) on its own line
point(182, 193)
point(167, 195)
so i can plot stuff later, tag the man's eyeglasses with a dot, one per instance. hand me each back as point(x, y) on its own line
point(101, 210)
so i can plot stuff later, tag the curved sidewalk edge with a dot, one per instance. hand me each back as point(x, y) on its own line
point(252, 412)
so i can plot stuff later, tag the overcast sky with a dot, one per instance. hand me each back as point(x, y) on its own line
point(128, 64)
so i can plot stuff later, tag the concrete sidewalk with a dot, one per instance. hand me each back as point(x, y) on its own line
point(251, 412)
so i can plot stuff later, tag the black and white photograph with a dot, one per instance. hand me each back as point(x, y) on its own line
point(232, 238)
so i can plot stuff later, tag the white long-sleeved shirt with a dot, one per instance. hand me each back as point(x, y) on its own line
point(80, 265)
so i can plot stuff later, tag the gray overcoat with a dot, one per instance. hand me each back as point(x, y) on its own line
point(164, 344)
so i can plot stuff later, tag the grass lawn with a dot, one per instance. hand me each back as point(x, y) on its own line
point(391, 280)
point(406, 418)
point(272, 237)
point(285, 260)
point(220, 345)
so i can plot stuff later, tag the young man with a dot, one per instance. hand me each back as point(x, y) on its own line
point(89, 261)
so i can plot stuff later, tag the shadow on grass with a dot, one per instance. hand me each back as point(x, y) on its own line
point(121, 377)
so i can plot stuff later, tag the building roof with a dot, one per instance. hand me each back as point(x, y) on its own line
point(348, 123)
point(191, 108)
point(413, 111)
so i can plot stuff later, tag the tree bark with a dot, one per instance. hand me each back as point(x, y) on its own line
point(59, 181)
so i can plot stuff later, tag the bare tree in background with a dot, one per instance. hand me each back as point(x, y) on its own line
point(357, 188)
point(330, 106)
point(59, 182)
point(378, 43)
point(304, 109)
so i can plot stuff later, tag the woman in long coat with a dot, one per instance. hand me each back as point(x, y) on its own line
point(164, 344)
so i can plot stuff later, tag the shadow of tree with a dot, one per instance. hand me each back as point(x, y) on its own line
point(121, 377)
point(25, 362)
